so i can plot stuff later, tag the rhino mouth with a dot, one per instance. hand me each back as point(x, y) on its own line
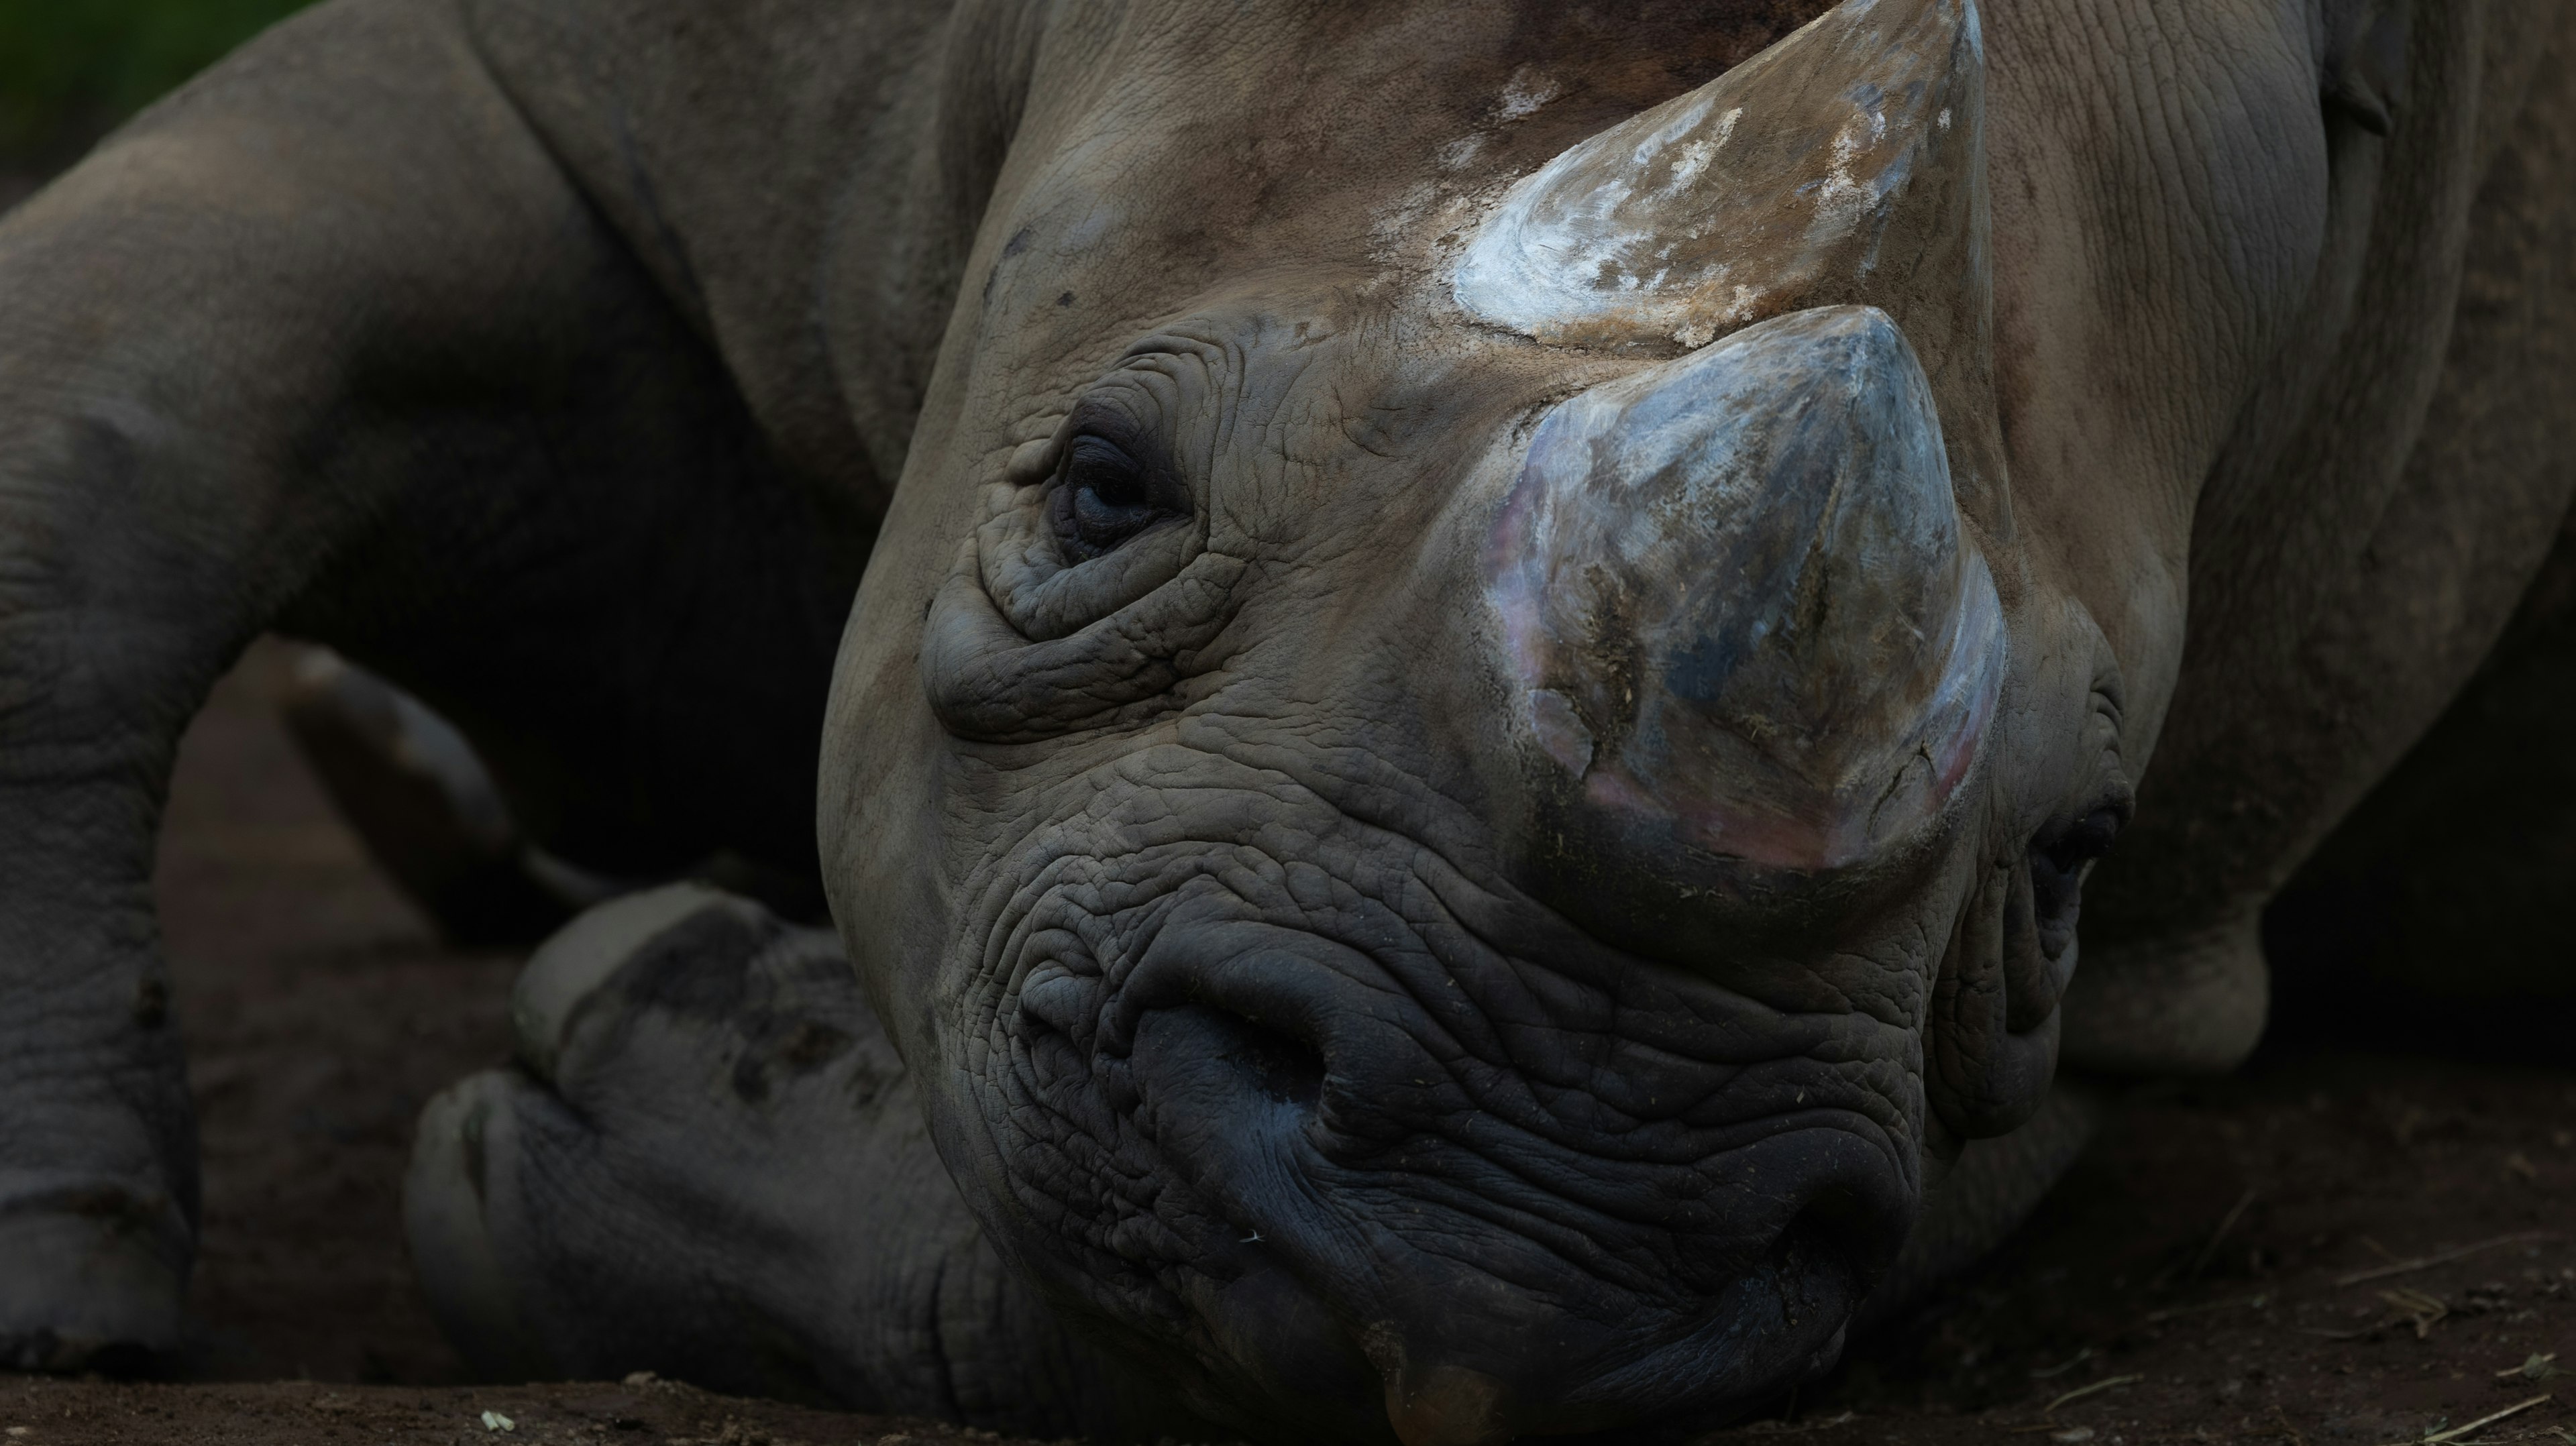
point(1248, 1051)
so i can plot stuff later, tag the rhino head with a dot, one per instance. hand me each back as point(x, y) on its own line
point(1456, 774)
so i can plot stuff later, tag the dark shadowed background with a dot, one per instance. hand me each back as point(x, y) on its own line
point(71, 69)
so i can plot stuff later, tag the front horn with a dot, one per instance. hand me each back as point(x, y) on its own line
point(1738, 613)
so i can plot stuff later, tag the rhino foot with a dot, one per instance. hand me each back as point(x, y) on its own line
point(663, 1175)
point(2191, 1004)
point(709, 1162)
point(93, 1282)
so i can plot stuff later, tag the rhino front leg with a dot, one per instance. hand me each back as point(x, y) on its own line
point(98, 1199)
point(183, 320)
point(708, 1161)
point(329, 344)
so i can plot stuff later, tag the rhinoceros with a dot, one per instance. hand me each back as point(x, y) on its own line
point(1454, 667)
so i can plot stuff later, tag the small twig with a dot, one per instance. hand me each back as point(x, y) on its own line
point(2405, 1307)
point(2063, 1367)
point(2416, 1308)
point(2286, 1428)
point(2080, 1392)
point(2456, 1432)
point(2158, 1317)
point(2200, 1262)
point(2427, 1262)
point(2537, 1368)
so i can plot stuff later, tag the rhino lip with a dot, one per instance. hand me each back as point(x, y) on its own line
point(1223, 1035)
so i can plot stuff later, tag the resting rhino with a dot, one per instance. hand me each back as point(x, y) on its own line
point(1487, 645)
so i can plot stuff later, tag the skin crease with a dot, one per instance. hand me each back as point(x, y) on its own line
point(1287, 1081)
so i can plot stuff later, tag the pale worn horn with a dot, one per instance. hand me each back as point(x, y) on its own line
point(1844, 151)
point(1846, 164)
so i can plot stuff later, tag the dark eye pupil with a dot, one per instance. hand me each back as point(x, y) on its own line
point(1104, 498)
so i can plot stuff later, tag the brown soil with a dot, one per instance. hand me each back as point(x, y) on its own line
point(2195, 1272)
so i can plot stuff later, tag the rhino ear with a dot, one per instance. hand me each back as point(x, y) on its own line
point(1846, 164)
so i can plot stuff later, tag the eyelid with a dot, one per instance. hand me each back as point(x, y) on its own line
point(1110, 412)
point(1160, 410)
point(1073, 450)
point(1140, 444)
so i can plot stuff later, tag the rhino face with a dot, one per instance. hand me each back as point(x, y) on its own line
point(1456, 773)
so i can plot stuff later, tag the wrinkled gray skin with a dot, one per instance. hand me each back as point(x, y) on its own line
point(1250, 1032)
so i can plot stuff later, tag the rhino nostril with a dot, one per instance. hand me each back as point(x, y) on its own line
point(1833, 1216)
point(1196, 1047)
point(1286, 1068)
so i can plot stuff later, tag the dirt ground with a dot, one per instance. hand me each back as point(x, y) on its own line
point(2331, 1247)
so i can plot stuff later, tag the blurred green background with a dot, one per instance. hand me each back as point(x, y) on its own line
point(71, 69)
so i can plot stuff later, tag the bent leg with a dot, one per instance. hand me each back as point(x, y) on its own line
point(327, 343)
point(708, 1161)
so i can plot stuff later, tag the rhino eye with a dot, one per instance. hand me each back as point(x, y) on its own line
point(1102, 498)
point(2059, 859)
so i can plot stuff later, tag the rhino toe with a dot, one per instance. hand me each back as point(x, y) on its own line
point(471, 1289)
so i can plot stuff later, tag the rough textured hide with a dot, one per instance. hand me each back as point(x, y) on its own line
point(1236, 423)
point(2345, 582)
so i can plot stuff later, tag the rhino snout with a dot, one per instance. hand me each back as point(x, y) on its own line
point(1414, 1165)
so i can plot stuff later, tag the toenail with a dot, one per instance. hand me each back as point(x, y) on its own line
point(581, 956)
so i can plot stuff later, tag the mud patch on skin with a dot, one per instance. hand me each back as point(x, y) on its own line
point(1669, 48)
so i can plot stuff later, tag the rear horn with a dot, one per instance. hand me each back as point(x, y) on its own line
point(1844, 165)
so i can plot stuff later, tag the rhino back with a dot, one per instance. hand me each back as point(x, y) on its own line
point(801, 178)
point(2378, 518)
